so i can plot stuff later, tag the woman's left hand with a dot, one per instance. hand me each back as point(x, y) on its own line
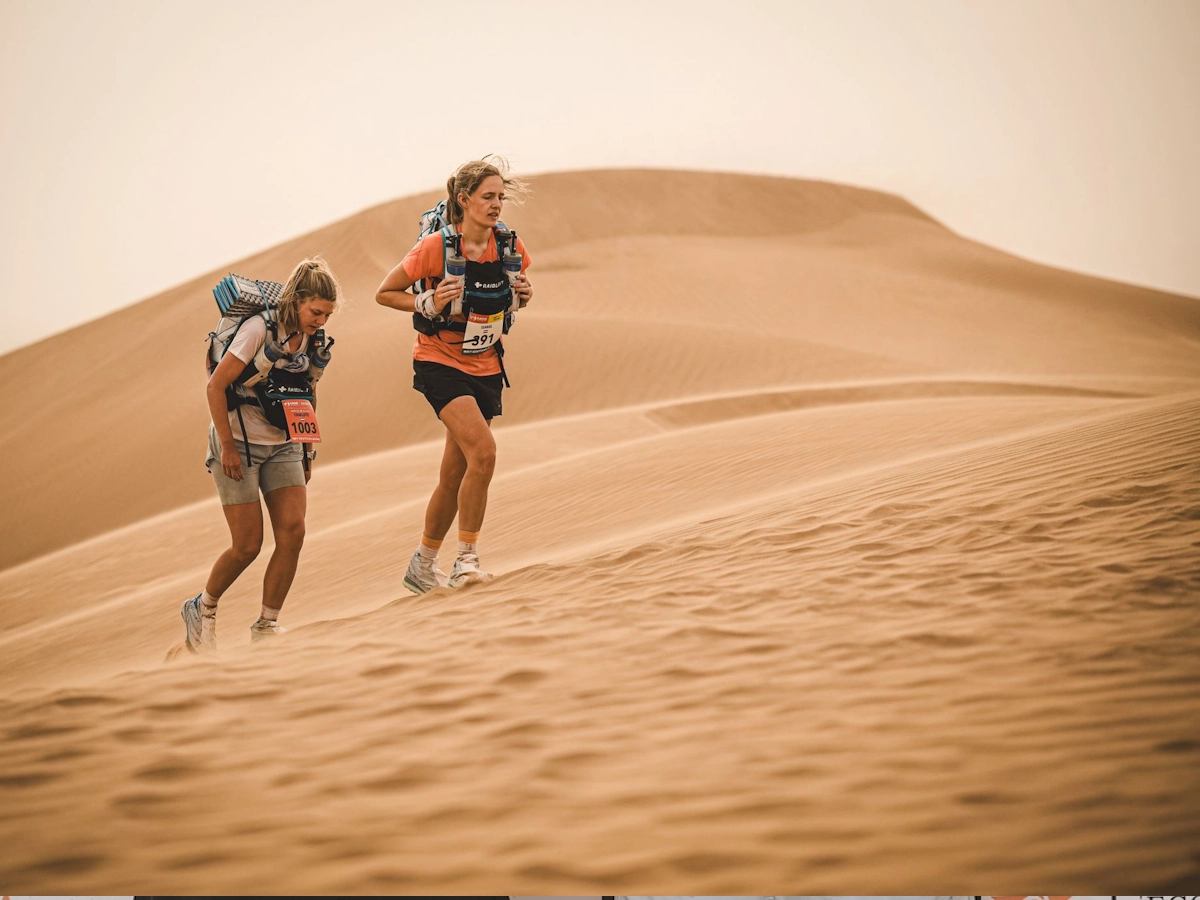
point(523, 289)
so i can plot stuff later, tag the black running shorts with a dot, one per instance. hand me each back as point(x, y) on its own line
point(441, 384)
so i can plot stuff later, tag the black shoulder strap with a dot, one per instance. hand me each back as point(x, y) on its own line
point(504, 237)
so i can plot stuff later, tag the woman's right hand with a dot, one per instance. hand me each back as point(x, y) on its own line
point(447, 292)
point(231, 463)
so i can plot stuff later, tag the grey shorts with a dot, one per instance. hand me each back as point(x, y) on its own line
point(272, 466)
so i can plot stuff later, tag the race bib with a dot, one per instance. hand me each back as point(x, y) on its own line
point(301, 421)
point(483, 331)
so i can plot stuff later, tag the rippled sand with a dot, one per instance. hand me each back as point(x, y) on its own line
point(899, 596)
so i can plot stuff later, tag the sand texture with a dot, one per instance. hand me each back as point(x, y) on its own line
point(835, 553)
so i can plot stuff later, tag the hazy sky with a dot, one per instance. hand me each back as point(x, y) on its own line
point(144, 143)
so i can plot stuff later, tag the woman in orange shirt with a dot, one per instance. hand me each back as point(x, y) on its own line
point(457, 357)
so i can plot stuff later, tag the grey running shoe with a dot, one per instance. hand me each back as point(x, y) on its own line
point(423, 574)
point(467, 571)
point(263, 629)
point(197, 637)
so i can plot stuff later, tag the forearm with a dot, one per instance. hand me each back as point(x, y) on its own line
point(395, 299)
point(393, 292)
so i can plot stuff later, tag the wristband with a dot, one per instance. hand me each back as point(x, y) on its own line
point(425, 306)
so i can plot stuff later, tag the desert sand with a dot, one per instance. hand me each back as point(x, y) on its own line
point(835, 553)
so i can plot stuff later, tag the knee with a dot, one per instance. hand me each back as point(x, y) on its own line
point(290, 534)
point(246, 551)
point(483, 460)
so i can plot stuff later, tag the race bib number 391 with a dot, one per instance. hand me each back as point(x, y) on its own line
point(482, 332)
point(302, 421)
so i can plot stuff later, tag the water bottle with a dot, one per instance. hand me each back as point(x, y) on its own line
point(318, 355)
point(272, 351)
point(456, 263)
point(277, 350)
point(456, 267)
point(512, 260)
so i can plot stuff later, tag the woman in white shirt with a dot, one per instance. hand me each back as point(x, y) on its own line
point(281, 352)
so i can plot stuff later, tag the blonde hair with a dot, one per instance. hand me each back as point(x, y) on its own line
point(312, 279)
point(467, 178)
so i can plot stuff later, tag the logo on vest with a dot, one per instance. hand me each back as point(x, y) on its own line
point(490, 286)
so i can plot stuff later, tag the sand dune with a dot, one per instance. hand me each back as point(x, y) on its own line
point(879, 291)
point(845, 555)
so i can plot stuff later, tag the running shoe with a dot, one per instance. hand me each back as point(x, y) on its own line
point(263, 629)
point(208, 628)
point(467, 571)
point(197, 638)
point(423, 574)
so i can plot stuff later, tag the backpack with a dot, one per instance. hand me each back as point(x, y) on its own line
point(239, 300)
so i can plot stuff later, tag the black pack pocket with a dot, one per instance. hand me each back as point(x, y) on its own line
point(282, 385)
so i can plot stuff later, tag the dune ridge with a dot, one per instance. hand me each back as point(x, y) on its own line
point(845, 554)
point(885, 292)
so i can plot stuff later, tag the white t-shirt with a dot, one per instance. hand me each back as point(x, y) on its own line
point(250, 338)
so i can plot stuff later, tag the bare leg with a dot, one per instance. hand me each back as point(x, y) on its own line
point(443, 505)
point(287, 507)
point(472, 434)
point(246, 537)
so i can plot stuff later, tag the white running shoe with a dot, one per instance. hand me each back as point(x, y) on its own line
point(264, 629)
point(192, 628)
point(208, 629)
point(423, 574)
point(467, 571)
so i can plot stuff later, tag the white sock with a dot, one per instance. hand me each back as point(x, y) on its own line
point(269, 614)
point(208, 604)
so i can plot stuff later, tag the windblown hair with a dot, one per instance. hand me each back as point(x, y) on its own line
point(312, 279)
point(467, 178)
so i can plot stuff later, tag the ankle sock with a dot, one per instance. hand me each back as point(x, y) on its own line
point(268, 614)
point(468, 542)
point(208, 604)
point(428, 547)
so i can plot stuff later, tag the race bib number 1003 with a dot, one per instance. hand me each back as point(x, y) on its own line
point(482, 332)
point(302, 421)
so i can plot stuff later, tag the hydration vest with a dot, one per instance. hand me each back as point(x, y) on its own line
point(273, 388)
point(485, 287)
point(239, 300)
point(270, 388)
point(486, 290)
